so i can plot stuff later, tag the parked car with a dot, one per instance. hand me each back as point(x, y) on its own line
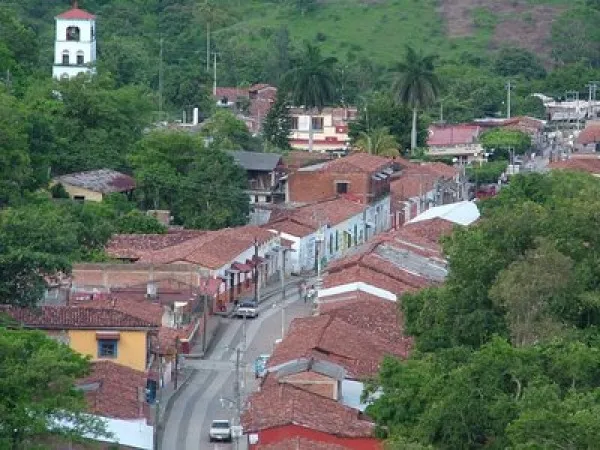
point(220, 430)
point(260, 366)
point(246, 308)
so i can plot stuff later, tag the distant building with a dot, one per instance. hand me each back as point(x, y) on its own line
point(75, 43)
point(250, 104)
point(455, 141)
point(95, 184)
point(329, 126)
point(266, 175)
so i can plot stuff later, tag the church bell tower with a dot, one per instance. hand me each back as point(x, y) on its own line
point(75, 43)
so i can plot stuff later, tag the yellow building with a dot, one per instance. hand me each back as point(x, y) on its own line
point(116, 331)
point(95, 184)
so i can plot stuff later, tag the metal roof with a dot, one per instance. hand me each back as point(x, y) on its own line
point(412, 262)
point(313, 365)
point(263, 162)
point(104, 181)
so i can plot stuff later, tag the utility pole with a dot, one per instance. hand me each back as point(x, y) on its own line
point(255, 270)
point(282, 271)
point(160, 81)
point(176, 361)
point(592, 86)
point(509, 86)
point(158, 398)
point(237, 393)
point(214, 73)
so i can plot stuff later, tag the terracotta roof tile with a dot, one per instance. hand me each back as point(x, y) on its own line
point(580, 165)
point(412, 183)
point(143, 310)
point(289, 226)
point(300, 443)
point(358, 162)
point(283, 404)
point(76, 14)
point(431, 230)
point(369, 276)
point(211, 249)
point(118, 392)
point(74, 317)
point(449, 135)
point(326, 337)
point(589, 134)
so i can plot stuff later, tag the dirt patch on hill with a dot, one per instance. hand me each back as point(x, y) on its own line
point(518, 22)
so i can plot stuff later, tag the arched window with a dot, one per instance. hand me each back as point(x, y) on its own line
point(73, 33)
point(65, 58)
point(80, 58)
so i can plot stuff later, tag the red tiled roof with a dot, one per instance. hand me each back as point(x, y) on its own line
point(300, 443)
point(453, 135)
point(297, 158)
point(581, 165)
point(326, 337)
point(283, 404)
point(367, 275)
point(358, 162)
point(144, 310)
point(167, 338)
point(589, 135)
point(119, 392)
point(365, 311)
point(76, 14)
point(431, 230)
point(410, 185)
point(291, 227)
point(75, 317)
point(211, 249)
point(231, 93)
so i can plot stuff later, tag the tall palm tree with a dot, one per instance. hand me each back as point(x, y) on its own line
point(417, 85)
point(377, 142)
point(210, 15)
point(311, 83)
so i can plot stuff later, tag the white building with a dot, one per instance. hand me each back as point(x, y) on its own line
point(75, 43)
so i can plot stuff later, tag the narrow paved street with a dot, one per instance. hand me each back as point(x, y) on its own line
point(189, 420)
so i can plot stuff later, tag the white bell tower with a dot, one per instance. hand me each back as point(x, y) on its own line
point(75, 43)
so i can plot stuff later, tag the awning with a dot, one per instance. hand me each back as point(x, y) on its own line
point(241, 267)
point(112, 335)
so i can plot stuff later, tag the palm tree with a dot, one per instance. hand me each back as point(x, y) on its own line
point(311, 83)
point(377, 142)
point(417, 85)
point(210, 15)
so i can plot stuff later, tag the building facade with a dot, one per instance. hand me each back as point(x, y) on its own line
point(329, 128)
point(75, 43)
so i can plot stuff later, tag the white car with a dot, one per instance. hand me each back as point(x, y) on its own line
point(220, 430)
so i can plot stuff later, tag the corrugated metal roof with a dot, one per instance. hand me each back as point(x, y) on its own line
point(264, 162)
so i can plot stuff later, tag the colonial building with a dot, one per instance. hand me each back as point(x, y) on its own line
point(75, 43)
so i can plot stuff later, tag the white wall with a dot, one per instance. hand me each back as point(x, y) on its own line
point(356, 286)
point(86, 45)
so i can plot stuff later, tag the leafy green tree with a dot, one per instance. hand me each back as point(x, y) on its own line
point(38, 399)
point(278, 124)
point(576, 38)
point(137, 222)
point(378, 142)
point(529, 290)
point(15, 168)
point(311, 83)
point(488, 172)
point(417, 85)
point(503, 139)
point(227, 132)
point(212, 195)
point(381, 111)
point(514, 61)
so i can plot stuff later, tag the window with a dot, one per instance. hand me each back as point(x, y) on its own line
point(337, 240)
point(331, 244)
point(317, 123)
point(80, 58)
point(65, 58)
point(355, 234)
point(294, 125)
point(341, 188)
point(92, 34)
point(107, 348)
point(79, 198)
point(73, 33)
